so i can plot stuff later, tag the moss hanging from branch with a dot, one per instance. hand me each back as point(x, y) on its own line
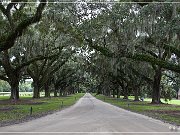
point(140, 57)
point(8, 41)
point(155, 61)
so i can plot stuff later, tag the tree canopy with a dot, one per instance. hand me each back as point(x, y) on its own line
point(113, 48)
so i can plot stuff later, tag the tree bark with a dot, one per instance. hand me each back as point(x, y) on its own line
point(125, 92)
point(55, 90)
point(36, 93)
point(60, 92)
point(55, 93)
point(113, 93)
point(14, 89)
point(177, 95)
point(156, 86)
point(136, 94)
point(12, 74)
point(46, 89)
point(118, 92)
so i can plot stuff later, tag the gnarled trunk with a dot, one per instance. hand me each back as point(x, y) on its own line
point(14, 83)
point(14, 90)
point(12, 74)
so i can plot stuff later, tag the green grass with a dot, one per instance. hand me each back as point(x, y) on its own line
point(4, 97)
point(173, 101)
point(166, 112)
point(21, 97)
point(39, 106)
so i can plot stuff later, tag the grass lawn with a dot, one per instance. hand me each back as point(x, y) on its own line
point(173, 101)
point(4, 97)
point(21, 97)
point(166, 112)
point(21, 110)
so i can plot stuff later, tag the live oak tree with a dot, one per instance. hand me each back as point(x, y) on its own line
point(67, 77)
point(123, 48)
point(43, 70)
point(41, 73)
point(15, 18)
point(137, 36)
point(13, 62)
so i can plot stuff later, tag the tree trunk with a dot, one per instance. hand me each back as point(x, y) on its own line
point(36, 93)
point(156, 86)
point(125, 92)
point(72, 91)
point(14, 83)
point(55, 93)
point(177, 94)
point(113, 93)
point(14, 91)
point(108, 93)
point(46, 89)
point(60, 93)
point(118, 92)
point(55, 90)
point(12, 74)
point(136, 94)
point(64, 93)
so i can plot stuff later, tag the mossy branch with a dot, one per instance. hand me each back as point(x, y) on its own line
point(141, 57)
point(8, 41)
point(155, 61)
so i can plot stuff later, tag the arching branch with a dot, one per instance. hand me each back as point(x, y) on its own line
point(8, 41)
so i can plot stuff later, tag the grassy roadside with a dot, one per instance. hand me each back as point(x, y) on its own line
point(173, 101)
point(165, 112)
point(12, 113)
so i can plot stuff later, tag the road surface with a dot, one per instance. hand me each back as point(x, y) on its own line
point(90, 116)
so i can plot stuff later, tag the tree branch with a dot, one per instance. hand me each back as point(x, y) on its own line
point(3, 10)
point(140, 57)
point(167, 47)
point(9, 41)
point(147, 51)
point(33, 60)
point(155, 61)
point(4, 78)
